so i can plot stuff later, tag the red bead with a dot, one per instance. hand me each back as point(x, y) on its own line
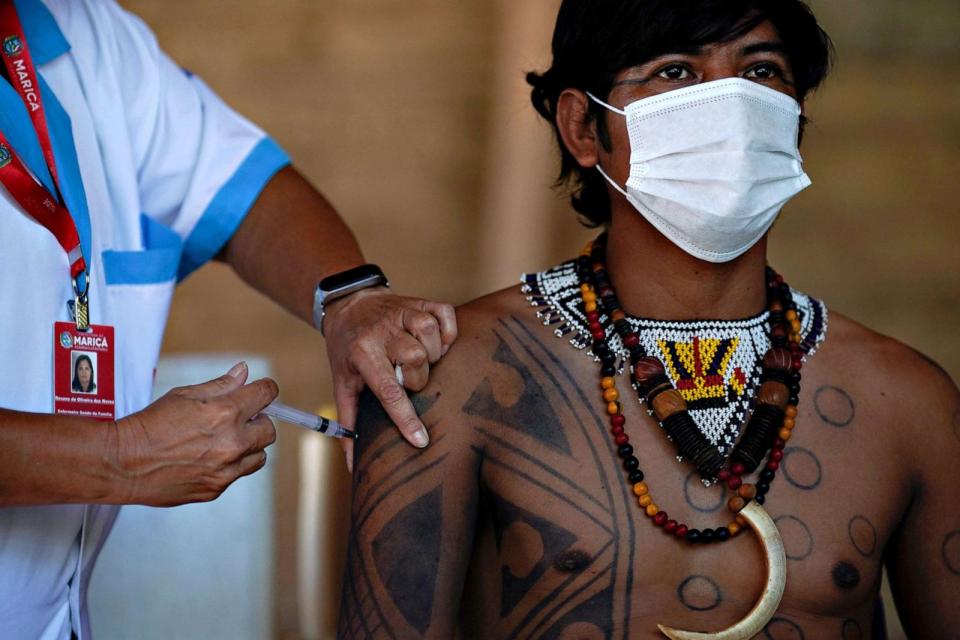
point(670, 526)
point(797, 364)
point(734, 482)
point(616, 430)
point(723, 475)
point(738, 469)
point(595, 326)
point(680, 531)
point(599, 335)
point(779, 444)
point(593, 316)
point(660, 519)
point(618, 420)
point(776, 455)
point(773, 465)
point(631, 340)
point(621, 439)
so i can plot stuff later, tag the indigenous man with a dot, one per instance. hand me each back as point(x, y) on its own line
point(552, 504)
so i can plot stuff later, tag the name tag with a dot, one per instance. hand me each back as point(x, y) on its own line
point(83, 383)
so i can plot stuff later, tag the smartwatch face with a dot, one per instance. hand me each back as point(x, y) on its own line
point(349, 277)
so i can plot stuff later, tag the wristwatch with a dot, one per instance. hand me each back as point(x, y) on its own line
point(342, 284)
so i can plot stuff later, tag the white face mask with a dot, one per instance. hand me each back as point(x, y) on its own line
point(712, 165)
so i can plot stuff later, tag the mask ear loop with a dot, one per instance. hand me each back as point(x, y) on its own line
point(598, 168)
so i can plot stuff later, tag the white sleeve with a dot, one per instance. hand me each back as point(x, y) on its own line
point(200, 165)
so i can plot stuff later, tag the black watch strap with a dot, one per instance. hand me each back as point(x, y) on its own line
point(341, 285)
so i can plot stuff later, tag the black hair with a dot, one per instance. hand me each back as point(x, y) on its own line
point(594, 40)
point(76, 378)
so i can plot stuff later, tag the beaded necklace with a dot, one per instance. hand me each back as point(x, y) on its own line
point(715, 364)
point(770, 425)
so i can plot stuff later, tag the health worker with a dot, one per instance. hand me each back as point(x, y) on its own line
point(121, 174)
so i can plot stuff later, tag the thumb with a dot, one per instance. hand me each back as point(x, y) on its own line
point(230, 381)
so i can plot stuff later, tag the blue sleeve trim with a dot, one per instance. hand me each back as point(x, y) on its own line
point(230, 205)
point(158, 262)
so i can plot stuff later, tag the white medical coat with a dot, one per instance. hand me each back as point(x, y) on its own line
point(157, 173)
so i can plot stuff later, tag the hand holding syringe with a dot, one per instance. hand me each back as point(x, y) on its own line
point(326, 426)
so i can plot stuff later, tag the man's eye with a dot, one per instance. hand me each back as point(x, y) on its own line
point(674, 72)
point(764, 71)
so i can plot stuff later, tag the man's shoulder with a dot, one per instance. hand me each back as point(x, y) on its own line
point(898, 374)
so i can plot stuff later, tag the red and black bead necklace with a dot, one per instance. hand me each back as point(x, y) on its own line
point(767, 431)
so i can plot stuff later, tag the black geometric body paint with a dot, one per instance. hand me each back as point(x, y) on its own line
point(797, 539)
point(845, 575)
point(863, 535)
point(801, 468)
point(783, 629)
point(851, 630)
point(699, 593)
point(951, 552)
point(834, 406)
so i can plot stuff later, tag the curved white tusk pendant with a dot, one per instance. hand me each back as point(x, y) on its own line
point(761, 522)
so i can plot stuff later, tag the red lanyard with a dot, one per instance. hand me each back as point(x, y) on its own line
point(14, 175)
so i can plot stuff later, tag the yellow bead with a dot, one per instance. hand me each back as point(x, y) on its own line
point(590, 306)
point(645, 500)
point(613, 408)
point(789, 423)
point(740, 520)
point(791, 315)
point(589, 296)
point(611, 395)
point(791, 411)
point(652, 510)
point(736, 503)
point(584, 288)
point(640, 489)
point(608, 382)
point(733, 528)
point(785, 434)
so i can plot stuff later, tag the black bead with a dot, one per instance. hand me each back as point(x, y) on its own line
point(760, 499)
point(762, 488)
point(635, 476)
point(794, 400)
point(631, 463)
point(780, 341)
point(795, 376)
point(608, 370)
point(795, 389)
point(707, 535)
point(693, 535)
point(721, 534)
point(622, 327)
point(767, 475)
point(608, 361)
point(625, 451)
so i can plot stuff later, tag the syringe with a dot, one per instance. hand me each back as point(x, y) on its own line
point(326, 426)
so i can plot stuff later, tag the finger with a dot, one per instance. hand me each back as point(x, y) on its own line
point(378, 374)
point(412, 357)
point(228, 382)
point(346, 395)
point(447, 319)
point(251, 463)
point(252, 398)
point(425, 328)
point(347, 445)
point(261, 433)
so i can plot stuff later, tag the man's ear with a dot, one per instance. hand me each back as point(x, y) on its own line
point(577, 129)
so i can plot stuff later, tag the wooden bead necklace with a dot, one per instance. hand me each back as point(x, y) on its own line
point(768, 429)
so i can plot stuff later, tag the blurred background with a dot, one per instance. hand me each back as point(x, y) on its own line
point(413, 118)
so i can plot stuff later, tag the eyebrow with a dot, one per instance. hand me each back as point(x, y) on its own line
point(763, 47)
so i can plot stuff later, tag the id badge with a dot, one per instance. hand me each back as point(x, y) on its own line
point(83, 371)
